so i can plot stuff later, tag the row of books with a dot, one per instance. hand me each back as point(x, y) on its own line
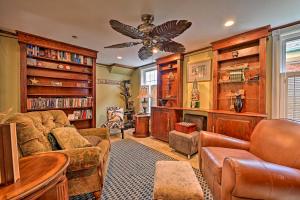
point(80, 114)
point(33, 50)
point(50, 103)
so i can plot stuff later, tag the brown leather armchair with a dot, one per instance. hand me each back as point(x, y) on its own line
point(267, 167)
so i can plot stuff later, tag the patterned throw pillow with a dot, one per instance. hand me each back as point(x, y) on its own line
point(54, 144)
point(69, 138)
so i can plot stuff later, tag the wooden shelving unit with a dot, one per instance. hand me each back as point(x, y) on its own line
point(163, 118)
point(239, 64)
point(169, 79)
point(53, 72)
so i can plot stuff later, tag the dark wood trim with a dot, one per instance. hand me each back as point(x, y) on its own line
point(285, 25)
point(54, 44)
point(117, 65)
point(242, 38)
point(8, 32)
point(169, 58)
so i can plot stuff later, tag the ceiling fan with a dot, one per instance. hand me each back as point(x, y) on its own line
point(152, 37)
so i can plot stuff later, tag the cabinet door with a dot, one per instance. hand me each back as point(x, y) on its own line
point(160, 124)
point(240, 127)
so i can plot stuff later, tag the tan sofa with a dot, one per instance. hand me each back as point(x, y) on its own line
point(87, 165)
point(267, 167)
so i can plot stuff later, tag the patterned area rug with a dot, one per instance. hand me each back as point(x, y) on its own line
point(131, 173)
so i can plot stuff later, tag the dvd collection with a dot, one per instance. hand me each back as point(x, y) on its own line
point(33, 50)
point(48, 103)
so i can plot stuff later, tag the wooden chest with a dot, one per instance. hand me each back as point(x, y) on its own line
point(185, 127)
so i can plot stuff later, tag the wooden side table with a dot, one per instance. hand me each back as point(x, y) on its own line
point(42, 176)
point(141, 126)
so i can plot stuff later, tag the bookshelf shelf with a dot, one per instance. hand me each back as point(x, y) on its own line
point(70, 108)
point(58, 61)
point(58, 76)
point(65, 77)
point(58, 86)
point(56, 69)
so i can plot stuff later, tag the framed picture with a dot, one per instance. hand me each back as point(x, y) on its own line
point(199, 71)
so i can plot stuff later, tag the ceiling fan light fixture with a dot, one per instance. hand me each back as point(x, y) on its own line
point(153, 38)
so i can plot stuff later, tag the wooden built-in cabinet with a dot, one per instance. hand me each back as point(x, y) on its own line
point(239, 64)
point(163, 120)
point(56, 75)
point(169, 88)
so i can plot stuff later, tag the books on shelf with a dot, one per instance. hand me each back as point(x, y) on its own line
point(80, 114)
point(33, 50)
point(56, 103)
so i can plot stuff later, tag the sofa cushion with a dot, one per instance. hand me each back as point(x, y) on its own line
point(69, 138)
point(213, 158)
point(30, 139)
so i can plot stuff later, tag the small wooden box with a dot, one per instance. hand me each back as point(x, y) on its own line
point(185, 127)
point(9, 157)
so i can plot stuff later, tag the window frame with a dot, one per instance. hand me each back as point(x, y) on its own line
point(279, 74)
point(143, 83)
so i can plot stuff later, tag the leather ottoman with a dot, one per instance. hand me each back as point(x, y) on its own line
point(184, 143)
point(176, 180)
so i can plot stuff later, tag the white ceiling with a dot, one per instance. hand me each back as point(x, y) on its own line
point(88, 19)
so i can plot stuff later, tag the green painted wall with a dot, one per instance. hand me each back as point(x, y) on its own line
point(135, 88)
point(9, 73)
point(108, 95)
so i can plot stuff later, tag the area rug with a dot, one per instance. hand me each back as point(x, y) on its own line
point(131, 173)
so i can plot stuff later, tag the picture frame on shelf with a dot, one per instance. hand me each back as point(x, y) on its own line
point(199, 71)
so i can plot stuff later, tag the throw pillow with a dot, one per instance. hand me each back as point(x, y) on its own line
point(54, 144)
point(94, 140)
point(69, 138)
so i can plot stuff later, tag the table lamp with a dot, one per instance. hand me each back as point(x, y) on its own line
point(144, 95)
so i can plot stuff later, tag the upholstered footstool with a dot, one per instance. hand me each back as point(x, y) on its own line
point(176, 180)
point(184, 143)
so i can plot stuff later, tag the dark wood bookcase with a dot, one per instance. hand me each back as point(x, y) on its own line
point(57, 75)
point(239, 67)
point(169, 88)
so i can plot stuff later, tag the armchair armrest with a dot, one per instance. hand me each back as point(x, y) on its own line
point(83, 158)
point(101, 132)
point(209, 139)
point(257, 179)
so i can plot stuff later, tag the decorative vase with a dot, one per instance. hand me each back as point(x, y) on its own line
point(238, 104)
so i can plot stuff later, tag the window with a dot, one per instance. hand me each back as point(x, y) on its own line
point(149, 78)
point(291, 72)
point(286, 74)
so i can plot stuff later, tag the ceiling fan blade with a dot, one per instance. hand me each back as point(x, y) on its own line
point(170, 29)
point(171, 46)
point(145, 52)
point(127, 30)
point(122, 45)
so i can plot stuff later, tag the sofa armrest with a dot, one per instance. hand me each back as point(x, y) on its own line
point(101, 132)
point(83, 158)
point(209, 139)
point(257, 179)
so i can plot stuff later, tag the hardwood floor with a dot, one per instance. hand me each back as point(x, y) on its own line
point(158, 145)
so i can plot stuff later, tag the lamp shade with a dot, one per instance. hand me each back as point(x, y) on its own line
point(144, 92)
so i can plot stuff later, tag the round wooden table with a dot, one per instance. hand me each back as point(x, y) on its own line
point(42, 176)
